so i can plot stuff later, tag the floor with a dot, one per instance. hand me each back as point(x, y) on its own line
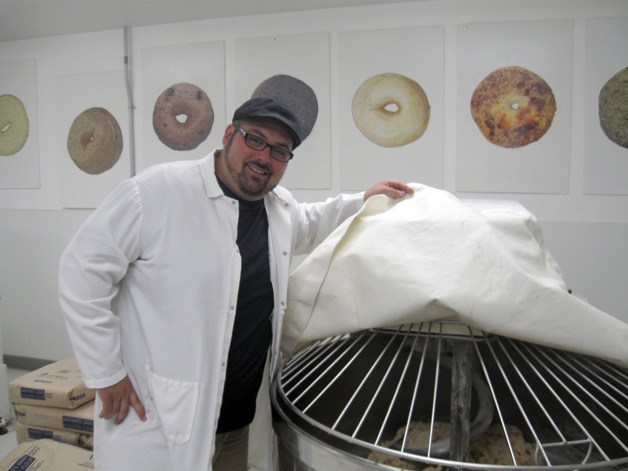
point(8, 440)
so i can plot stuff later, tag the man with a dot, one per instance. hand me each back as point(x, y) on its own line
point(174, 289)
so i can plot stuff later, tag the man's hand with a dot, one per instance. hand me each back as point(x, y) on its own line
point(116, 400)
point(391, 188)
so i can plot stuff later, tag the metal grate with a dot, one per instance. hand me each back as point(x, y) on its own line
point(367, 393)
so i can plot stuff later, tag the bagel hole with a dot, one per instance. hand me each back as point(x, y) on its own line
point(515, 105)
point(391, 107)
point(86, 138)
point(182, 118)
point(6, 127)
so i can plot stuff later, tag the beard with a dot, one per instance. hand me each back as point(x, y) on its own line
point(251, 184)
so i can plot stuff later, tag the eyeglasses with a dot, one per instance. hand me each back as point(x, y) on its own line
point(257, 143)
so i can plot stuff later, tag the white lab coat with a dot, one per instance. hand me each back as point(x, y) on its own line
point(149, 286)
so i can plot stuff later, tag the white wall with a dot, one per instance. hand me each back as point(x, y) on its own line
point(587, 234)
point(32, 242)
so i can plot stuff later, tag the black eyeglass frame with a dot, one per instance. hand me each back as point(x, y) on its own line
point(247, 140)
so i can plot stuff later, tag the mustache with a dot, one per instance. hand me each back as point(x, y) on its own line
point(262, 165)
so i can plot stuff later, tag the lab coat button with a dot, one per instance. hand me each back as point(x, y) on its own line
point(285, 253)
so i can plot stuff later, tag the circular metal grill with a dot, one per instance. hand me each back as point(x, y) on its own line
point(479, 401)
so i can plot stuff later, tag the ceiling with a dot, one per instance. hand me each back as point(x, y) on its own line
point(25, 19)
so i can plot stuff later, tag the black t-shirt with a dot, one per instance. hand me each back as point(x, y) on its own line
point(252, 330)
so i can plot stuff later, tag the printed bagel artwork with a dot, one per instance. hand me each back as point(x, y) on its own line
point(613, 108)
point(391, 109)
point(14, 125)
point(513, 107)
point(183, 116)
point(95, 141)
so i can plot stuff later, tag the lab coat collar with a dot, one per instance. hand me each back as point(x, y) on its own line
point(212, 188)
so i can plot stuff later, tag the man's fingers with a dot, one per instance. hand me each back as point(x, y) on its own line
point(138, 407)
point(392, 188)
point(115, 408)
point(122, 411)
point(108, 409)
point(117, 399)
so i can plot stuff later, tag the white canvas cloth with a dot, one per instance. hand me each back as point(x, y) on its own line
point(430, 256)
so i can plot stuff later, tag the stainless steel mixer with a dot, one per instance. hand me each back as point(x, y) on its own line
point(353, 402)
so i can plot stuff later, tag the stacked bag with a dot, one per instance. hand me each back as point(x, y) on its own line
point(55, 419)
point(47, 455)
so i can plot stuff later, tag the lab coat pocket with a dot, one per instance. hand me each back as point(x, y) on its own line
point(175, 403)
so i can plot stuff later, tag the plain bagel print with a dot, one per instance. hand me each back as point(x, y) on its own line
point(95, 141)
point(14, 124)
point(391, 110)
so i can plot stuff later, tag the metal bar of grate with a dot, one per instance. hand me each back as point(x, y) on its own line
point(317, 380)
point(308, 357)
point(435, 395)
point(318, 366)
point(366, 411)
point(569, 391)
point(564, 440)
point(518, 402)
point(579, 372)
point(415, 390)
point(395, 395)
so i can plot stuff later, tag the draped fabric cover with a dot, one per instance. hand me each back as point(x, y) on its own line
point(431, 256)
